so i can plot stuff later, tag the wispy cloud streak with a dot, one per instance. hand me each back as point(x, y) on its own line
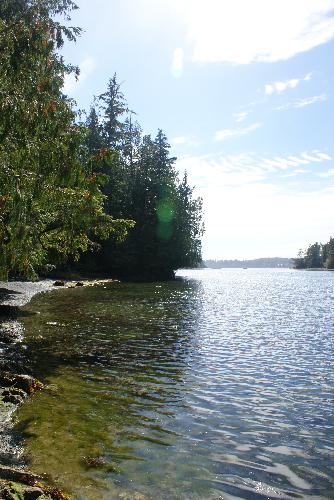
point(302, 103)
point(223, 135)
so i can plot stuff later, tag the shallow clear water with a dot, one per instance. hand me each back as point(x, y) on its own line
point(218, 385)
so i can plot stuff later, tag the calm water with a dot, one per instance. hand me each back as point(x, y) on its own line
point(218, 385)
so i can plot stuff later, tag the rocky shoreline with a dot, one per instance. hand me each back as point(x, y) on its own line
point(16, 482)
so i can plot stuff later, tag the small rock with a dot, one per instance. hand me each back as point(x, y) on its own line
point(12, 398)
point(13, 395)
point(24, 382)
point(8, 311)
point(18, 475)
point(79, 283)
point(33, 493)
point(59, 283)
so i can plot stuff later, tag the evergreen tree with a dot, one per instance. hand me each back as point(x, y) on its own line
point(142, 185)
point(49, 201)
point(313, 258)
point(299, 262)
point(328, 254)
point(113, 106)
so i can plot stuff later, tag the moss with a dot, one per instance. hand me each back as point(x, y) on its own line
point(11, 491)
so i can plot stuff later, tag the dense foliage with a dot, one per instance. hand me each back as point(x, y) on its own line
point(317, 255)
point(143, 186)
point(49, 199)
point(66, 186)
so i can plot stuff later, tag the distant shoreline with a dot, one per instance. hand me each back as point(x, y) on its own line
point(263, 262)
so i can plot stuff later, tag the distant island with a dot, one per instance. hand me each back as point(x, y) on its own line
point(275, 262)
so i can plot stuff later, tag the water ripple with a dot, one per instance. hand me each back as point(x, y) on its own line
point(220, 385)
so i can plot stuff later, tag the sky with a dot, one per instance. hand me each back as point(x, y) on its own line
point(244, 92)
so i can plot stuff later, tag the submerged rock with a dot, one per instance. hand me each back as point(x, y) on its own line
point(8, 311)
point(59, 283)
point(94, 462)
point(18, 475)
point(11, 490)
point(19, 484)
point(26, 383)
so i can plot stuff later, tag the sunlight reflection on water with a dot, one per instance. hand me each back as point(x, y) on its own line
point(216, 385)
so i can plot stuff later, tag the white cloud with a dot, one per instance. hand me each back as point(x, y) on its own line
point(323, 156)
point(246, 215)
point(244, 168)
point(258, 220)
point(223, 135)
point(309, 100)
point(175, 141)
point(243, 31)
point(281, 86)
point(87, 66)
point(177, 62)
point(296, 172)
point(241, 116)
point(329, 173)
point(302, 103)
point(183, 140)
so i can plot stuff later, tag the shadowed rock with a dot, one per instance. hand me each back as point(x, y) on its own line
point(18, 484)
point(24, 382)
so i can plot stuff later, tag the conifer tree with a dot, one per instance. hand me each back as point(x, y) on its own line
point(49, 201)
point(142, 185)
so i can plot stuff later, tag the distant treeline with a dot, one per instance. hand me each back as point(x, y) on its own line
point(317, 255)
point(264, 262)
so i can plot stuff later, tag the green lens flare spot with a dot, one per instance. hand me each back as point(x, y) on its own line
point(165, 211)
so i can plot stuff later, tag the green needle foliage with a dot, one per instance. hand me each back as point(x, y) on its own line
point(316, 256)
point(143, 185)
point(51, 204)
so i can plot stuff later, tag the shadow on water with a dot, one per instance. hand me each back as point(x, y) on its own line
point(116, 326)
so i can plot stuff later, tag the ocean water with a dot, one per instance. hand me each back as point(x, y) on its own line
point(218, 385)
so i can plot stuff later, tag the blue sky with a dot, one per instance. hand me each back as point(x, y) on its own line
point(244, 91)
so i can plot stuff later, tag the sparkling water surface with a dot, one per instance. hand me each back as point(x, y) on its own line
point(217, 385)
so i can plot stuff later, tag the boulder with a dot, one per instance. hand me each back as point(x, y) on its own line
point(26, 383)
point(59, 283)
point(13, 395)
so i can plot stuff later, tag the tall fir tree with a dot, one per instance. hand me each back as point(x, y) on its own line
point(49, 201)
point(143, 185)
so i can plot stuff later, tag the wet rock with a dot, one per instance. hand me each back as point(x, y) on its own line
point(26, 383)
point(7, 311)
point(19, 484)
point(79, 283)
point(59, 283)
point(12, 490)
point(12, 398)
point(13, 395)
point(34, 493)
point(18, 475)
